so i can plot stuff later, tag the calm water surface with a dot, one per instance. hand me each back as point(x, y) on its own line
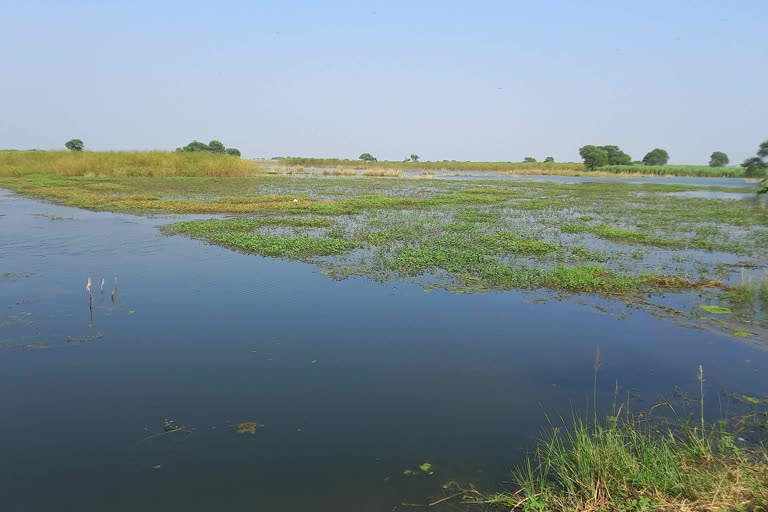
point(354, 381)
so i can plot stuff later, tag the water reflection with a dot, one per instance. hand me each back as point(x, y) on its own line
point(210, 340)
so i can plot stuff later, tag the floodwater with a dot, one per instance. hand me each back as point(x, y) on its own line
point(354, 381)
point(659, 180)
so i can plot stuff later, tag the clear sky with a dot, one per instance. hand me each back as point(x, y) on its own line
point(474, 80)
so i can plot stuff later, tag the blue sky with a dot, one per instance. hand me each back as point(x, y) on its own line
point(447, 80)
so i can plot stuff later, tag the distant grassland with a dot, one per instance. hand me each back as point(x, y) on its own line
point(567, 168)
point(124, 164)
point(168, 164)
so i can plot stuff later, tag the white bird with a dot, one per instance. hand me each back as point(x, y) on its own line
point(295, 201)
point(102, 285)
point(88, 285)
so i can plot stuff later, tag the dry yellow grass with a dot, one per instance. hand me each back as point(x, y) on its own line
point(124, 163)
point(383, 173)
point(340, 172)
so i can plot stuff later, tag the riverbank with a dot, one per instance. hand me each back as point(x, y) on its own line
point(519, 168)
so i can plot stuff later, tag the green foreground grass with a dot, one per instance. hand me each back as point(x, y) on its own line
point(622, 465)
point(641, 464)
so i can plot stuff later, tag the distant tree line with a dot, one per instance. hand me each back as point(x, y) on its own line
point(213, 146)
point(367, 157)
point(599, 156)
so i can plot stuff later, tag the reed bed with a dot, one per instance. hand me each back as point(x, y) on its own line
point(125, 164)
point(340, 172)
point(383, 173)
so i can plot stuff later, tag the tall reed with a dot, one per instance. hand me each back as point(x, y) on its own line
point(125, 164)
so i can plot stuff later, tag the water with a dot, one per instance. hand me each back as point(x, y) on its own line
point(211, 338)
point(494, 176)
point(659, 180)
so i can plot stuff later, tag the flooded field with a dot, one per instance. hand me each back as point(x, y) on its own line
point(361, 347)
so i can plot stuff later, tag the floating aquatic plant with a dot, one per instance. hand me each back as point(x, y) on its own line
point(248, 427)
point(718, 310)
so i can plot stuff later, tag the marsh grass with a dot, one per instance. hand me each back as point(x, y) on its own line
point(383, 173)
point(340, 172)
point(494, 235)
point(636, 464)
point(749, 297)
point(124, 164)
point(239, 234)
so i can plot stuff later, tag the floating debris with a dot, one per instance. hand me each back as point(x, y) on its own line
point(745, 398)
point(424, 469)
point(12, 276)
point(718, 310)
point(51, 216)
point(248, 427)
point(20, 319)
point(83, 339)
point(170, 425)
point(36, 346)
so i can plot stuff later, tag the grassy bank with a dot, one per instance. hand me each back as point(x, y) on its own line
point(624, 466)
point(522, 168)
point(123, 164)
point(640, 463)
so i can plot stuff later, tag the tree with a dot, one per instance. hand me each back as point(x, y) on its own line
point(233, 152)
point(718, 159)
point(656, 157)
point(616, 156)
point(757, 165)
point(549, 159)
point(367, 157)
point(216, 147)
point(74, 145)
point(529, 159)
point(414, 157)
point(593, 156)
point(195, 146)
